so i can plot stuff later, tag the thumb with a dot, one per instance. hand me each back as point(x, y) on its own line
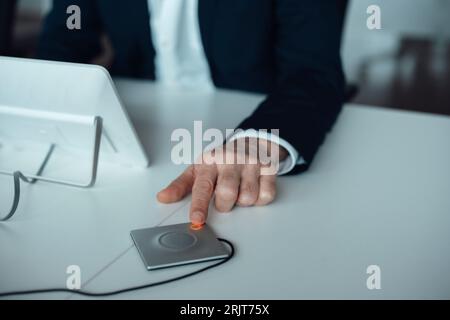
point(178, 188)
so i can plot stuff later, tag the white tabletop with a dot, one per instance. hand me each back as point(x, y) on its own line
point(377, 194)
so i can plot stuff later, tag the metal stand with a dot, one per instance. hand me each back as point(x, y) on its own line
point(98, 125)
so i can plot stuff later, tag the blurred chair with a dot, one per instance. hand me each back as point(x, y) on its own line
point(7, 14)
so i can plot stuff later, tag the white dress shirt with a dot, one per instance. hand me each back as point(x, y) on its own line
point(180, 59)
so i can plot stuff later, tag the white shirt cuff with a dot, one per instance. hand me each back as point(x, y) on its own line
point(286, 165)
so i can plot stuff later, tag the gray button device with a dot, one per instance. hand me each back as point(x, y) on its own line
point(179, 244)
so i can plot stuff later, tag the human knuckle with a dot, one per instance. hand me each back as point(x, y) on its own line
point(267, 195)
point(226, 192)
point(249, 188)
point(205, 185)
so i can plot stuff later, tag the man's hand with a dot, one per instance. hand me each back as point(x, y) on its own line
point(237, 182)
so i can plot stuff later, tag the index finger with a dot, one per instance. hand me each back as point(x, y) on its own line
point(202, 191)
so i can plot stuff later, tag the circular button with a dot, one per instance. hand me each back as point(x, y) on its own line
point(177, 240)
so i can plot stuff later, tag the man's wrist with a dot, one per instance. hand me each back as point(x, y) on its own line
point(270, 146)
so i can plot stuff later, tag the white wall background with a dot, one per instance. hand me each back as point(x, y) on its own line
point(417, 18)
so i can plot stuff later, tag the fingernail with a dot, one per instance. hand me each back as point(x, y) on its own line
point(196, 227)
point(198, 218)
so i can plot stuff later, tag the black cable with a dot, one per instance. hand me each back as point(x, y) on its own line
point(145, 286)
point(17, 176)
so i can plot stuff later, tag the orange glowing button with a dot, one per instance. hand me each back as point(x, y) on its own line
point(196, 227)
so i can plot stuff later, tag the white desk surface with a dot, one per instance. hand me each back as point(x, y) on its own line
point(378, 193)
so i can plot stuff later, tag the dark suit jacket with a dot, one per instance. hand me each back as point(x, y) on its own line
point(288, 49)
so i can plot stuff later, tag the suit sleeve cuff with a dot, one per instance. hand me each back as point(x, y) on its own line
point(286, 165)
